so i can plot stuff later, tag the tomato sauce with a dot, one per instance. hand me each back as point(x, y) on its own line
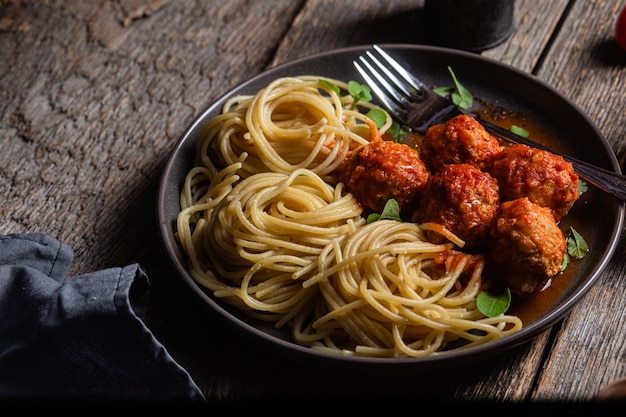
point(531, 307)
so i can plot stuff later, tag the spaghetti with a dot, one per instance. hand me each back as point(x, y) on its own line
point(265, 229)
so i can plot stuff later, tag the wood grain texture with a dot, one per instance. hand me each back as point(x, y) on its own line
point(535, 23)
point(94, 95)
point(584, 64)
point(94, 98)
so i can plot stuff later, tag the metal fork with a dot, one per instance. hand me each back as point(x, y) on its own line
point(416, 105)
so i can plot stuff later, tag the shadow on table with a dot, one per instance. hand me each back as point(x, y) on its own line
point(232, 367)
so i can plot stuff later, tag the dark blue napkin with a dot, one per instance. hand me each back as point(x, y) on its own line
point(78, 337)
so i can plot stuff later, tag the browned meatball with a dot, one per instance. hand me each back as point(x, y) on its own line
point(545, 178)
point(526, 246)
point(461, 139)
point(383, 170)
point(464, 200)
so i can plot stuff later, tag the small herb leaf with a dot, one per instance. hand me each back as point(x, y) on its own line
point(359, 92)
point(372, 217)
point(379, 116)
point(493, 305)
point(398, 131)
point(576, 245)
point(391, 211)
point(565, 262)
point(444, 91)
point(520, 131)
point(331, 86)
point(461, 96)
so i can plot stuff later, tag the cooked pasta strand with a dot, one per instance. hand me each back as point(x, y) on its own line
point(265, 228)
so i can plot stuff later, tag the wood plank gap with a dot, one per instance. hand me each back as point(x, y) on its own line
point(545, 354)
point(555, 33)
point(271, 61)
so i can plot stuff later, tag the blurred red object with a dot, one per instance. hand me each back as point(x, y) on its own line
point(620, 29)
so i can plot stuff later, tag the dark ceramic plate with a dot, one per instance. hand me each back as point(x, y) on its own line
point(489, 80)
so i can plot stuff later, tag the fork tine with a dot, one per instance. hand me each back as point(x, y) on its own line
point(397, 88)
point(388, 96)
point(401, 84)
point(411, 102)
point(406, 75)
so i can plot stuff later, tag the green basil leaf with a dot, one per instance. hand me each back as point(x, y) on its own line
point(520, 131)
point(391, 210)
point(492, 305)
point(359, 92)
point(576, 245)
point(372, 217)
point(331, 86)
point(398, 131)
point(565, 262)
point(444, 91)
point(461, 96)
point(379, 116)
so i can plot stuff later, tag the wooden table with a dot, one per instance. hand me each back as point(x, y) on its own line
point(94, 95)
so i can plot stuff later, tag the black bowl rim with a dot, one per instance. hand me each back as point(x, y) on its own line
point(430, 362)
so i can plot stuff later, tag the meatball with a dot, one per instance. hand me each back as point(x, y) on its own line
point(461, 139)
point(526, 246)
point(383, 170)
point(462, 199)
point(545, 178)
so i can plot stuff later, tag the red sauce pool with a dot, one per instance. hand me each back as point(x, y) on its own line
point(532, 307)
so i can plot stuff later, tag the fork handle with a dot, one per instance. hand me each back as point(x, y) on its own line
point(609, 181)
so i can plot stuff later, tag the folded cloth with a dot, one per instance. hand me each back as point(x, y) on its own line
point(79, 337)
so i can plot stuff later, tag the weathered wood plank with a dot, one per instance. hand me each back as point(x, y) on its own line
point(535, 22)
point(584, 49)
point(93, 96)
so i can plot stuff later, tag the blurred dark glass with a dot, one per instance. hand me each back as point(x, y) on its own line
point(472, 25)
